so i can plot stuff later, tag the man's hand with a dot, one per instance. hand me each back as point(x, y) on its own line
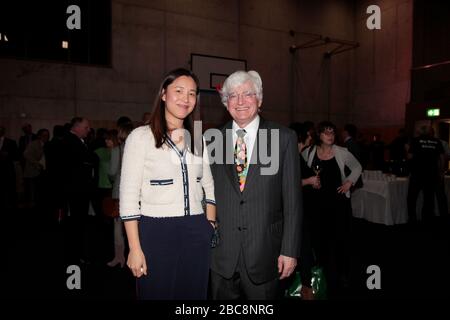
point(286, 265)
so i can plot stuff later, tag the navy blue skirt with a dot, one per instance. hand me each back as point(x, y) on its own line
point(177, 252)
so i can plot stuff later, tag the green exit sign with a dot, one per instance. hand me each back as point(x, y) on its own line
point(433, 112)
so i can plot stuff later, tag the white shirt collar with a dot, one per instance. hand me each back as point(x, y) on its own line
point(251, 128)
point(250, 136)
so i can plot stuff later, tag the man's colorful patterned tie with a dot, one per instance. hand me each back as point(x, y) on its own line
point(240, 158)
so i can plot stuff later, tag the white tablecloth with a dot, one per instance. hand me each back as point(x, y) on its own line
point(385, 202)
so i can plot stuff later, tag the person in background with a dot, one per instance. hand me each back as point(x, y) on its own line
point(332, 210)
point(164, 174)
point(117, 146)
point(122, 121)
point(27, 137)
point(398, 154)
point(35, 166)
point(78, 186)
point(103, 152)
point(309, 181)
point(397, 148)
point(427, 174)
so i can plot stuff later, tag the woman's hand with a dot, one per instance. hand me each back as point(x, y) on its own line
point(313, 181)
point(345, 187)
point(136, 263)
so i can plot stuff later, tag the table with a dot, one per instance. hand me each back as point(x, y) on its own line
point(385, 202)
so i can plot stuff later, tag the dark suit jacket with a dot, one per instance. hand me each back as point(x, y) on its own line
point(265, 219)
point(79, 165)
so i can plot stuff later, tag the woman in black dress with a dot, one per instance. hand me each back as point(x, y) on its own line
point(331, 208)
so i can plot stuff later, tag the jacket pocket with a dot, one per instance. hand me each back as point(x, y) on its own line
point(164, 182)
point(160, 192)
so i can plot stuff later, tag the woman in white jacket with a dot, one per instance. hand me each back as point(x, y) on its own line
point(164, 177)
point(332, 217)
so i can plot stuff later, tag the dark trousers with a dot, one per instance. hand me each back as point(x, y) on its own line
point(441, 197)
point(240, 286)
point(331, 231)
point(430, 188)
point(77, 241)
point(177, 253)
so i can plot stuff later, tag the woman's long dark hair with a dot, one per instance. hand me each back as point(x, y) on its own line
point(158, 123)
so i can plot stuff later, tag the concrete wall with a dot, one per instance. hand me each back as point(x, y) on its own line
point(151, 37)
point(383, 64)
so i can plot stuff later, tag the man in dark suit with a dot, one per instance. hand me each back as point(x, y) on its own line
point(259, 206)
point(78, 185)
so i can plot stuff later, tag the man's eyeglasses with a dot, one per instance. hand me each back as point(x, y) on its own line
point(246, 95)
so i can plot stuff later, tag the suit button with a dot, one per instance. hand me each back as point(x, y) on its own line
point(239, 228)
point(242, 202)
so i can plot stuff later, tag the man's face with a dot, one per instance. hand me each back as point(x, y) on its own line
point(242, 104)
point(82, 129)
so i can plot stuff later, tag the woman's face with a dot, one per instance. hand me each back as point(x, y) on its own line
point(327, 136)
point(109, 143)
point(180, 98)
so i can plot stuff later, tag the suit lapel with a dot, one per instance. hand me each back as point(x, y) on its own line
point(255, 162)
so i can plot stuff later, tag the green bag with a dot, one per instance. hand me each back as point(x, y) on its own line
point(318, 285)
point(294, 289)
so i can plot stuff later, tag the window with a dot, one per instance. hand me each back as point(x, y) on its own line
point(38, 30)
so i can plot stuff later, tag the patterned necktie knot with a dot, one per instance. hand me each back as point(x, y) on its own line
point(241, 133)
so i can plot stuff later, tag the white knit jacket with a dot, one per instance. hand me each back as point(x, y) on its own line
point(343, 158)
point(157, 182)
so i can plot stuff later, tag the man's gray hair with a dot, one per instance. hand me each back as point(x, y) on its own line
point(238, 78)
